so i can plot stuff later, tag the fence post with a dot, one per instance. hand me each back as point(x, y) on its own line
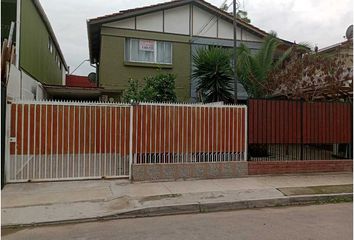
point(302, 129)
point(246, 133)
point(3, 130)
point(131, 141)
point(7, 143)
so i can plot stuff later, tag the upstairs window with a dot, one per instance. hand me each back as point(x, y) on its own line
point(148, 51)
point(50, 45)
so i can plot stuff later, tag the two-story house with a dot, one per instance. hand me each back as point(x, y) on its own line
point(135, 43)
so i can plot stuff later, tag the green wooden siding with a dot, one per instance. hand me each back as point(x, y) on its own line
point(115, 72)
point(35, 57)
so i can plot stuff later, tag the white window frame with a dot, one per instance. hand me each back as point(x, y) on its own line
point(155, 52)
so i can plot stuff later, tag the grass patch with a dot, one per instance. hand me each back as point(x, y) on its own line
point(310, 190)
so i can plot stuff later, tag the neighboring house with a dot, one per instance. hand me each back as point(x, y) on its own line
point(135, 43)
point(342, 50)
point(38, 58)
point(76, 88)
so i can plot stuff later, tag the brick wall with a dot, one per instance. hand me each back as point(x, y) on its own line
point(308, 166)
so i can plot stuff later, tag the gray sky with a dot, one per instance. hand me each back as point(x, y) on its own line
point(319, 22)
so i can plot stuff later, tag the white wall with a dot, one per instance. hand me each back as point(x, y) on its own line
point(23, 86)
point(150, 22)
point(250, 37)
point(204, 23)
point(14, 83)
point(226, 30)
point(128, 23)
point(29, 87)
point(177, 20)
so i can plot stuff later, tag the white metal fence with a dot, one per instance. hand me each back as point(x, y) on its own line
point(51, 140)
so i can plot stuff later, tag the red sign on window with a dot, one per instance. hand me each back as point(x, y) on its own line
point(147, 45)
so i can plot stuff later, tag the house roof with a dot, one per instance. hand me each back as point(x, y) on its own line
point(50, 30)
point(94, 24)
point(72, 92)
point(336, 46)
point(79, 81)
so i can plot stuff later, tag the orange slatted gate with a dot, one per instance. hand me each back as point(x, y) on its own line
point(63, 141)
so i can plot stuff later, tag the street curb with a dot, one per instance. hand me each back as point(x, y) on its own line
point(204, 207)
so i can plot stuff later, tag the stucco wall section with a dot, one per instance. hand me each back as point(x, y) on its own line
point(155, 172)
point(177, 20)
point(226, 30)
point(204, 23)
point(150, 22)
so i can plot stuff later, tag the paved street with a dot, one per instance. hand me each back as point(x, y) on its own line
point(329, 221)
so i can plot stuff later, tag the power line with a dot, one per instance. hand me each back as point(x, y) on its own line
point(211, 19)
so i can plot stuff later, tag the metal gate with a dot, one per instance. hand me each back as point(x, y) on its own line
point(50, 140)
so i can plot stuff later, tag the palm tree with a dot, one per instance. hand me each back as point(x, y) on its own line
point(253, 69)
point(213, 73)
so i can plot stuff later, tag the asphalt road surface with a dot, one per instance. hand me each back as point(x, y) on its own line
point(329, 221)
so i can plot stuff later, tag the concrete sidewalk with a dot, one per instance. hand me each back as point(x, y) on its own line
point(60, 202)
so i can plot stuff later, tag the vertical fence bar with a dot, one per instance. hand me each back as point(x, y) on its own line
point(28, 140)
point(160, 135)
point(57, 143)
point(141, 137)
point(16, 144)
point(45, 141)
point(125, 143)
point(74, 139)
point(95, 143)
point(62, 142)
point(103, 172)
point(68, 145)
point(34, 140)
point(115, 141)
point(85, 140)
point(8, 128)
point(120, 156)
point(131, 110)
point(301, 130)
point(110, 141)
point(79, 142)
point(246, 134)
point(22, 140)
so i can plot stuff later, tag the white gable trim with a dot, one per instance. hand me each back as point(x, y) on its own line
point(188, 19)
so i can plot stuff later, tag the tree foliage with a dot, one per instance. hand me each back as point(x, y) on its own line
point(132, 92)
point(158, 88)
point(253, 69)
point(311, 77)
point(213, 73)
point(243, 16)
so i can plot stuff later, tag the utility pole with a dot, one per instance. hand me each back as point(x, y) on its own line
point(234, 55)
